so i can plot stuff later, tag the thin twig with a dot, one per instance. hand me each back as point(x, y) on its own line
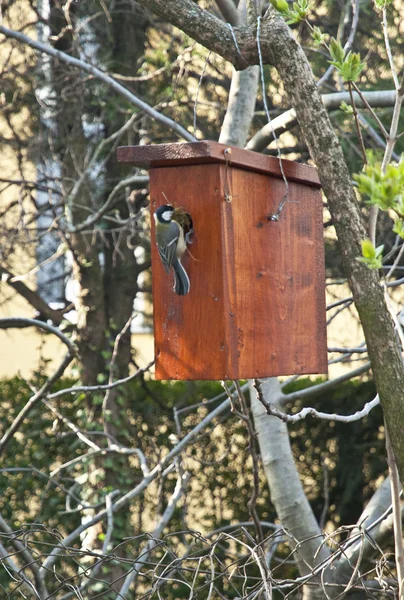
point(22, 323)
point(364, 99)
point(198, 89)
point(33, 401)
point(358, 127)
point(143, 485)
point(244, 415)
point(388, 48)
point(23, 550)
point(98, 388)
point(98, 74)
point(165, 518)
point(305, 412)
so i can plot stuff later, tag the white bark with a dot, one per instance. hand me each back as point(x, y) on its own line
point(240, 108)
point(242, 96)
point(287, 494)
point(288, 119)
point(358, 549)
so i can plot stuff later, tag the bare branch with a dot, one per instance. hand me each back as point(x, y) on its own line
point(240, 107)
point(146, 481)
point(305, 412)
point(388, 48)
point(181, 485)
point(22, 323)
point(33, 401)
point(327, 385)
point(101, 387)
point(229, 11)
point(34, 299)
point(98, 74)
point(288, 119)
point(108, 204)
point(24, 552)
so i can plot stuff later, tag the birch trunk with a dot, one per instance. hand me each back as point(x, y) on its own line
point(287, 494)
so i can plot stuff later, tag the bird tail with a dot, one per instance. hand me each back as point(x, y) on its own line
point(182, 284)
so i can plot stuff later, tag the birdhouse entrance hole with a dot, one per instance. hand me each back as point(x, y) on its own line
point(256, 306)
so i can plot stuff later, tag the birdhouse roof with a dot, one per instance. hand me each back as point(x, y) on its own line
point(197, 153)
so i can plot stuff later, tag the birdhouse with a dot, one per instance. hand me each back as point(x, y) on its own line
point(256, 305)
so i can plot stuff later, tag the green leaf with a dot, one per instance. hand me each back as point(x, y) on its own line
point(336, 51)
point(281, 5)
point(383, 3)
point(398, 227)
point(379, 251)
point(368, 250)
point(385, 190)
point(317, 36)
point(371, 256)
point(346, 108)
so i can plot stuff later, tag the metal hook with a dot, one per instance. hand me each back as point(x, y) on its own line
point(227, 188)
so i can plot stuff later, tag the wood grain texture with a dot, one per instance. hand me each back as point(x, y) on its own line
point(277, 271)
point(257, 302)
point(191, 153)
point(189, 331)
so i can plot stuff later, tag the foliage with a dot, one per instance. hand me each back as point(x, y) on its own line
point(384, 189)
point(349, 65)
point(219, 463)
point(45, 443)
point(299, 12)
point(371, 256)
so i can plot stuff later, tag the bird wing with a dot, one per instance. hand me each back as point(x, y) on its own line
point(168, 247)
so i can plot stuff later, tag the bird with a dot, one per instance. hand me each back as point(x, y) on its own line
point(174, 229)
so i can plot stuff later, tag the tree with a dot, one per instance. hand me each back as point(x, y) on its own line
point(100, 216)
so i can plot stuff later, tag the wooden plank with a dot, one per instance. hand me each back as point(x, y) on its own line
point(191, 153)
point(189, 331)
point(277, 272)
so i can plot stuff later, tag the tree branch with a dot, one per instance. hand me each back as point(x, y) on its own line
point(98, 74)
point(33, 401)
point(287, 494)
point(320, 388)
point(146, 481)
point(22, 323)
point(398, 529)
point(41, 393)
point(180, 488)
point(288, 119)
point(229, 11)
point(23, 551)
point(33, 298)
point(305, 412)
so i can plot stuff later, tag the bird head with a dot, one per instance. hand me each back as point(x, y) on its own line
point(164, 213)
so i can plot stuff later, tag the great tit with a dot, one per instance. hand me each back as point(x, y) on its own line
point(173, 230)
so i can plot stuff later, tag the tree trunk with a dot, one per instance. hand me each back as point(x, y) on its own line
point(287, 494)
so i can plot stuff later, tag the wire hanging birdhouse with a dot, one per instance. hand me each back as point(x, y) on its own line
point(256, 300)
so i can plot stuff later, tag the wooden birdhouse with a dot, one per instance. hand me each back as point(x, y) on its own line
point(256, 306)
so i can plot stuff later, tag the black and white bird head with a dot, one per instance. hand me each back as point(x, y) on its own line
point(164, 213)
